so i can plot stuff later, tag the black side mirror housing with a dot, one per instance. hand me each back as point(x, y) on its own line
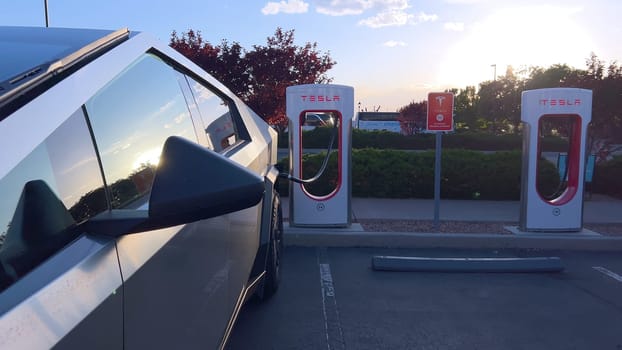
point(191, 183)
point(194, 183)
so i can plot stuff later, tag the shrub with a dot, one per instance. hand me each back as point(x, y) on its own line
point(410, 174)
point(319, 137)
point(607, 177)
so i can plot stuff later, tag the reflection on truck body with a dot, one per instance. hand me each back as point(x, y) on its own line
point(221, 132)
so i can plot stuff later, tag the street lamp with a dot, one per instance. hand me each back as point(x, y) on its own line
point(45, 4)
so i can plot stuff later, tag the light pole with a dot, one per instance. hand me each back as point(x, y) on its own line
point(45, 4)
point(495, 71)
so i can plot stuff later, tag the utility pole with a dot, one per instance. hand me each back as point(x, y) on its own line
point(495, 71)
point(47, 22)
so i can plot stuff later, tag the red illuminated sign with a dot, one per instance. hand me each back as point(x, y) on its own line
point(440, 111)
point(320, 98)
point(560, 102)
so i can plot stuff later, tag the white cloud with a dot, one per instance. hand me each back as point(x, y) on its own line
point(357, 7)
point(396, 18)
point(454, 26)
point(393, 43)
point(387, 19)
point(424, 17)
point(392, 4)
point(464, 1)
point(343, 7)
point(385, 13)
point(289, 6)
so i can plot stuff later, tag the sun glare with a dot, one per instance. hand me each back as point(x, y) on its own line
point(147, 158)
point(519, 37)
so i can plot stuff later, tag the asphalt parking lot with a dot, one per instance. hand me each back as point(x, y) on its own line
point(330, 298)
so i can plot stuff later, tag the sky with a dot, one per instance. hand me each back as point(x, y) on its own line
point(392, 52)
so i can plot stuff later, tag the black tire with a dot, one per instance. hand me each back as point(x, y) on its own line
point(275, 251)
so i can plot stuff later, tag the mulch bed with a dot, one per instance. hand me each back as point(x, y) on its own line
point(427, 226)
point(380, 225)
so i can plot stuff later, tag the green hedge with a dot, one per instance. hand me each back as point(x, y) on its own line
point(319, 137)
point(399, 174)
point(608, 178)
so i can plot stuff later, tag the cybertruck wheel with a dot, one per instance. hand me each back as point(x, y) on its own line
point(275, 251)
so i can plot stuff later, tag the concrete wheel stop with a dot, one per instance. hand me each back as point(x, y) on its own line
point(583, 233)
point(487, 265)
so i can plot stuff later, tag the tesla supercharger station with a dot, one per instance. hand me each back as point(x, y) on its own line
point(320, 106)
point(568, 109)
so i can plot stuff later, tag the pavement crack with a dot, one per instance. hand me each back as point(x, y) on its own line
point(592, 294)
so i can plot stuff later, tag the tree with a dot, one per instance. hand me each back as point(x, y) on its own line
point(465, 105)
point(232, 69)
point(606, 85)
point(558, 75)
point(259, 76)
point(499, 103)
point(199, 51)
point(278, 65)
point(412, 117)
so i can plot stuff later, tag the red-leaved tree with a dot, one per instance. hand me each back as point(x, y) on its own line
point(412, 117)
point(259, 76)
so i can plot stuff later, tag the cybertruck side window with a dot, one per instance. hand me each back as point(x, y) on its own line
point(55, 188)
point(216, 115)
point(131, 118)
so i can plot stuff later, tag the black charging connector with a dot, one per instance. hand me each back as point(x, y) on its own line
point(329, 149)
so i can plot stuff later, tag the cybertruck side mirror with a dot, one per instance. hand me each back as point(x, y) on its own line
point(191, 183)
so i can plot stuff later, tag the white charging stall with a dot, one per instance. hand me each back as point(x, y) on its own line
point(330, 107)
point(568, 109)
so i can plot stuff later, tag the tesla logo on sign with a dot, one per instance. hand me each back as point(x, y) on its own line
point(552, 102)
point(439, 100)
point(320, 98)
point(440, 111)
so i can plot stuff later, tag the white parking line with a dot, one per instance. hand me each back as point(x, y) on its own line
point(325, 276)
point(327, 280)
point(332, 323)
point(611, 274)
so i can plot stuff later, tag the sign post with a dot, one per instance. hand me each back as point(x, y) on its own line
point(440, 118)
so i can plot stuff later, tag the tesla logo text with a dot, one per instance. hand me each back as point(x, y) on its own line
point(320, 98)
point(440, 100)
point(560, 102)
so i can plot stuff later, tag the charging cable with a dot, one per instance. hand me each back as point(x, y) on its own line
point(329, 149)
point(561, 187)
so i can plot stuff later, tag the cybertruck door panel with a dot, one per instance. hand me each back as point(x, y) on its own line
point(227, 132)
point(245, 224)
point(176, 286)
point(73, 300)
point(244, 243)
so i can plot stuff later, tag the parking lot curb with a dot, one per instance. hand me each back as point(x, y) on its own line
point(334, 238)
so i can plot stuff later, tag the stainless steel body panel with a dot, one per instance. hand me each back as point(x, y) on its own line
point(177, 287)
point(49, 302)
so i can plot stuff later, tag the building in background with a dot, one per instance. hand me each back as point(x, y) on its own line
point(377, 121)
